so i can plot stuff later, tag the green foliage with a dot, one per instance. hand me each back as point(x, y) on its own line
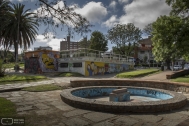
point(11, 65)
point(84, 43)
point(7, 108)
point(13, 78)
point(169, 38)
point(98, 41)
point(137, 73)
point(21, 28)
point(184, 79)
point(42, 88)
point(2, 69)
point(179, 7)
point(68, 74)
point(125, 37)
point(148, 29)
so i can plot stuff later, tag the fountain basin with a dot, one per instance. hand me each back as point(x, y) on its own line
point(88, 98)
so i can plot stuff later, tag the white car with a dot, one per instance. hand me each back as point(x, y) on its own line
point(186, 66)
point(177, 67)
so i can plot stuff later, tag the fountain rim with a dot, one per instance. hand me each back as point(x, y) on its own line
point(177, 101)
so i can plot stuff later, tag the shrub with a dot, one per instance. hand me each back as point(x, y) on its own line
point(2, 69)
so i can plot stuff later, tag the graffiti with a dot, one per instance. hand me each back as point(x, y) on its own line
point(94, 68)
point(100, 68)
point(48, 61)
point(32, 65)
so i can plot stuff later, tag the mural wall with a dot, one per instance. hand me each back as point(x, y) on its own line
point(32, 65)
point(41, 61)
point(48, 61)
point(100, 68)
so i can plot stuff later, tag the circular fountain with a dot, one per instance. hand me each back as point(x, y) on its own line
point(134, 99)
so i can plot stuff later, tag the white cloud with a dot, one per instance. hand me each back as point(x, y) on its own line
point(93, 11)
point(111, 21)
point(143, 12)
point(113, 4)
point(123, 1)
point(52, 42)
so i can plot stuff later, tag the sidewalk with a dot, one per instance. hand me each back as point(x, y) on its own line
point(47, 108)
point(65, 81)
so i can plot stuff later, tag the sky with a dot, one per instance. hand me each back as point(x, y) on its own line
point(103, 15)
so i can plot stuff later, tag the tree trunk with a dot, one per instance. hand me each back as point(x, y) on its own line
point(168, 64)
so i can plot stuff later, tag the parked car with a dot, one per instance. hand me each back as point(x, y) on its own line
point(177, 67)
point(186, 66)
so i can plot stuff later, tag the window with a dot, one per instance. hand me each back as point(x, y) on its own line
point(142, 52)
point(77, 64)
point(62, 65)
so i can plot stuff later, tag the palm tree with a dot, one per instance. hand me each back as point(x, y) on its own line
point(21, 28)
point(4, 9)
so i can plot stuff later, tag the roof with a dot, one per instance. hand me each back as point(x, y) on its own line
point(146, 41)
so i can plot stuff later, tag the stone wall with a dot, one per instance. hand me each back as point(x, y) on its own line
point(178, 74)
point(172, 86)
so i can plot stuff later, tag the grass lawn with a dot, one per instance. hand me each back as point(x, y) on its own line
point(12, 78)
point(41, 88)
point(7, 108)
point(184, 79)
point(11, 65)
point(68, 74)
point(137, 73)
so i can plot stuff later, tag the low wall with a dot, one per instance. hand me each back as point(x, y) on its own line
point(177, 74)
point(172, 86)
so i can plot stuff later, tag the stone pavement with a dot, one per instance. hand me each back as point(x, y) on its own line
point(47, 109)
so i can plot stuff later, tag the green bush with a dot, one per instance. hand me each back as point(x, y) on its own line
point(2, 69)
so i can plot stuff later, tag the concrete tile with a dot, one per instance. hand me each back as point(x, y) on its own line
point(65, 108)
point(125, 120)
point(41, 106)
point(97, 116)
point(76, 122)
point(75, 112)
point(172, 116)
point(21, 109)
point(147, 118)
point(105, 123)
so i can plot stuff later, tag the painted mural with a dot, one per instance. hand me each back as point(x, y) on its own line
point(100, 68)
point(32, 65)
point(48, 61)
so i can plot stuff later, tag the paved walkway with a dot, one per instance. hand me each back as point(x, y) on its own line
point(47, 108)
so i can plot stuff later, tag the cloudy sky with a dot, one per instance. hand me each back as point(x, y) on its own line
point(103, 15)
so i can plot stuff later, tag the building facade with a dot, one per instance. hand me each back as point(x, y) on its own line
point(67, 44)
point(43, 48)
point(144, 50)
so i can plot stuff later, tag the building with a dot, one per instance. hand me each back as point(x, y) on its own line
point(43, 48)
point(41, 61)
point(67, 44)
point(144, 50)
point(90, 62)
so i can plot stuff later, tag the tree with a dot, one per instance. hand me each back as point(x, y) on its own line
point(98, 41)
point(20, 30)
point(84, 43)
point(179, 7)
point(4, 9)
point(53, 15)
point(125, 37)
point(148, 29)
point(169, 39)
